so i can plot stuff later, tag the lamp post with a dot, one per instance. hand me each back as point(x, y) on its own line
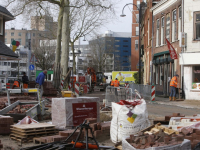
point(123, 15)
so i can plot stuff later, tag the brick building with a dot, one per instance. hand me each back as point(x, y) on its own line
point(146, 41)
point(167, 24)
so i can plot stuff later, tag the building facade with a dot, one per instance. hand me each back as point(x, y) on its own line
point(167, 18)
point(189, 59)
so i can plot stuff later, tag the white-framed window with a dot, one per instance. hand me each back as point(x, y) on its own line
point(11, 40)
point(162, 30)
point(1, 26)
point(19, 34)
point(138, 4)
point(161, 69)
point(136, 44)
point(156, 74)
point(157, 32)
point(12, 33)
point(137, 31)
point(174, 26)
point(179, 21)
point(197, 25)
point(20, 40)
point(167, 33)
point(5, 40)
point(137, 18)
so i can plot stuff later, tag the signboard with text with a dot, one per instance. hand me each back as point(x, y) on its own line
point(81, 111)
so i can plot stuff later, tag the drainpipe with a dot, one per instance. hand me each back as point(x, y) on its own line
point(152, 37)
point(182, 67)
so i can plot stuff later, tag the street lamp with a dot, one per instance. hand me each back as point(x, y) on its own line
point(123, 15)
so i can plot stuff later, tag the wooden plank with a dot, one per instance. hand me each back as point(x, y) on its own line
point(32, 126)
point(32, 130)
point(35, 133)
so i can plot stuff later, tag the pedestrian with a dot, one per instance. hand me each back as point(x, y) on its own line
point(16, 84)
point(40, 80)
point(25, 82)
point(116, 84)
point(173, 85)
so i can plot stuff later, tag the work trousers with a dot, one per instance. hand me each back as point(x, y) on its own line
point(173, 91)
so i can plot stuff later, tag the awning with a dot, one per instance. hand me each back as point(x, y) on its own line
point(8, 58)
point(189, 58)
point(161, 53)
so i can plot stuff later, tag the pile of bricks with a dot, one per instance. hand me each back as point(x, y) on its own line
point(5, 123)
point(167, 118)
point(100, 130)
point(4, 100)
point(1, 145)
point(20, 109)
point(192, 135)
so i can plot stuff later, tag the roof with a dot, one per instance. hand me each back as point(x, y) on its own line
point(6, 51)
point(8, 15)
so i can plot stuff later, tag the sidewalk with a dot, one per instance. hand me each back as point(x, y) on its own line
point(184, 104)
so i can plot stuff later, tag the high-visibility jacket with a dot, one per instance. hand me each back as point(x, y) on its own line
point(116, 83)
point(15, 84)
point(112, 83)
point(174, 81)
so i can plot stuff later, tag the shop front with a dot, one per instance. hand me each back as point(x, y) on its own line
point(191, 72)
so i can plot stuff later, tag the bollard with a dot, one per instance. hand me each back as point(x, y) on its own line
point(69, 86)
point(88, 88)
point(61, 84)
point(152, 92)
point(77, 89)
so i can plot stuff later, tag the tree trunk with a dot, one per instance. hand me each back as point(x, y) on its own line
point(56, 69)
point(74, 57)
point(65, 38)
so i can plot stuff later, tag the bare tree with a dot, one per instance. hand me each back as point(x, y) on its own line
point(45, 54)
point(29, 6)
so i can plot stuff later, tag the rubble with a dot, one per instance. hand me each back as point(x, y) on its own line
point(5, 123)
point(20, 109)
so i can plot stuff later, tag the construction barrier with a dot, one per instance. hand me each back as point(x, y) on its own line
point(153, 91)
point(115, 94)
point(8, 86)
point(70, 86)
point(77, 89)
point(61, 84)
point(144, 90)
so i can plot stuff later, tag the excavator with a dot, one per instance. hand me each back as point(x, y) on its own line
point(96, 79)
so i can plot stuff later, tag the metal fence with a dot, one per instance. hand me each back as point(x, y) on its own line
point(144, 90)
point(115, 94)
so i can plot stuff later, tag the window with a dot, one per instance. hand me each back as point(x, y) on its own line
point(125, 40)
point(162, 30)
point(156, 74)
point(157, 32)
point(12, 33)
point(174, 26)
point(179, 21)
point(5, 40)
point(14, 65)
point(161, 69)
point(117, 51)
point(197, 25)
point(125, 45)
point(20, 41)
point(167, 33)
point(137, 31)
point(137, 18)
point(1, 26)
point(125, 56)
point(5, 33)
point(33, 34)
point(5, 63)
point(19, 34)
point(117, 40)
point(138, 4)
point(125, 51)
point(125, 61)
point(116, 45)
point(196, 77)
point(117, 56)
point(12, 40)
point(136, 45)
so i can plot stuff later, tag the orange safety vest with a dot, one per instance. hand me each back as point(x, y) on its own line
point(112, 83)
point(15, 84)
point(174, 82)
point(116, 83)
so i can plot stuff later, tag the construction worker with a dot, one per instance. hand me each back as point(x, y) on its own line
point(25, 82)
point(173, 85)
point(112, 83)
point(40, 80)
point(16, 84)
point(116, 84)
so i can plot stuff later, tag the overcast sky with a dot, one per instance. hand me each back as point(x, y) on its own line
point(122, 24)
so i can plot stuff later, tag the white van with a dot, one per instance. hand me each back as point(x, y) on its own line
point(108, 76)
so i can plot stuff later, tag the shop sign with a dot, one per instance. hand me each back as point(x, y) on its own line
point(195, 85)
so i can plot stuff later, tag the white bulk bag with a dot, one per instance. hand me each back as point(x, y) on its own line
point(121, 127)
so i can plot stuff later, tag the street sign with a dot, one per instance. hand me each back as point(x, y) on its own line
point(31, 67)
